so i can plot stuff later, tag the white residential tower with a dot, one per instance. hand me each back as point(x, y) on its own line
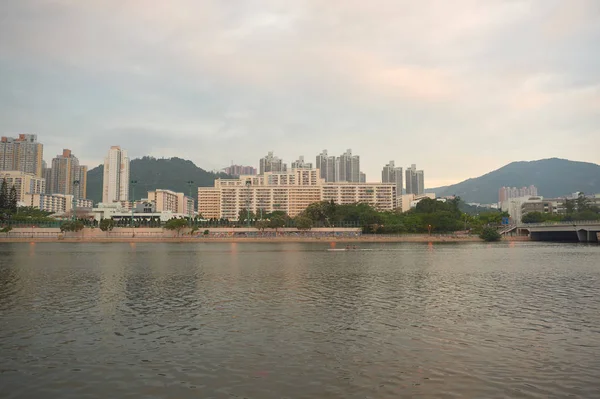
point(116, 176)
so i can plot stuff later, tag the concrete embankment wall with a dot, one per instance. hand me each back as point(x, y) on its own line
point(154, 232)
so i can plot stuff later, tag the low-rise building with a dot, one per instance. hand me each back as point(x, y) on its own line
point(408, 201)
point(144, 209)
point(518, 207)
point(58, 204)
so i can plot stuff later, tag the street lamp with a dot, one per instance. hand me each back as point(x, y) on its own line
point(133, 183)
point(75, 184)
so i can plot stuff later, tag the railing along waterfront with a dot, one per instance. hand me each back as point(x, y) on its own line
point(570, 223)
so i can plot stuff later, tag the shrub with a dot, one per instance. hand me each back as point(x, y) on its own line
point(490, 234)
point(107, 224)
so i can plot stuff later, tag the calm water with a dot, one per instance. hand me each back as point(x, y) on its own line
point(297, 321)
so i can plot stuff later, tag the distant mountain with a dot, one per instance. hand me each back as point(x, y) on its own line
point(152, 173)
point(553, 177)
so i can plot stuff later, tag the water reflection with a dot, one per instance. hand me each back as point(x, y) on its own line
point(266, 320)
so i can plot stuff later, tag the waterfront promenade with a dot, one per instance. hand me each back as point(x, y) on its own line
point(227, 235)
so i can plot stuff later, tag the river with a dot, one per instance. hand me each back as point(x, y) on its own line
point(285, 320)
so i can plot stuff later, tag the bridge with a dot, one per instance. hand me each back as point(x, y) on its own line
point(577, 230)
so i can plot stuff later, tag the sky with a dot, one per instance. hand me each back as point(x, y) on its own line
point(458, 87)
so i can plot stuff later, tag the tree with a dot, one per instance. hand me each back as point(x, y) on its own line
point(276, 222)
point(303, 223)
point(262, 225)
point(569, 206)
point(586, 215)
point(243, 215)
point(71, 226)
point(490, 234)
point(12, 199)
point(322, 212)
point(583, 203)
point(176, 225)
point(4, 195)
point(107, 225)
point(533, 217)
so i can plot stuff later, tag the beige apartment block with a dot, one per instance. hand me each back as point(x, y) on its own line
point(170, 201)
point(291, 192)
point(381, 196)
point(25, 183)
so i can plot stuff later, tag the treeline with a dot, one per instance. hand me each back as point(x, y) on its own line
point(428, 216)
point(580, 208)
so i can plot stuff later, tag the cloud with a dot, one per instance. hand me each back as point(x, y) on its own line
point(457, 87)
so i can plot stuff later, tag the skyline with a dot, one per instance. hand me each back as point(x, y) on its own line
point(493, 83)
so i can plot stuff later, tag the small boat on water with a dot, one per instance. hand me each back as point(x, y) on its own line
point(348, 248)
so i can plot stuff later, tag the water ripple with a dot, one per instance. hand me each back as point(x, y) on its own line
point(296, 321)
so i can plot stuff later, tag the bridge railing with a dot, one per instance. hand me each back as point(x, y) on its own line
point(571, 223)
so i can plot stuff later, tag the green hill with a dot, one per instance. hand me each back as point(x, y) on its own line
point(151, 173)
point(553, 177)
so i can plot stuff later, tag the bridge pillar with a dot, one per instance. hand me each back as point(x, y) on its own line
point(582, 235)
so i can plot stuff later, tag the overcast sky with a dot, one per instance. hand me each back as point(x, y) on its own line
point(458, 87)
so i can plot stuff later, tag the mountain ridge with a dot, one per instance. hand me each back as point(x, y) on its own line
point(154, 173)
point(554, 177)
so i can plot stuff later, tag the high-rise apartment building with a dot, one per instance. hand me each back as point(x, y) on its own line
point(415, 180)
point(300, 164)
point(23, 153)
point(506, 193)
point(393, 174)
point(349, 167)
point(239, 170)
point(345, 168)
point(80, 190)
point(271, 163)
point(328, 166)
point(47, 175)
point(116, 176)
point(67, 176)
point(7, 154)
point(388, 174)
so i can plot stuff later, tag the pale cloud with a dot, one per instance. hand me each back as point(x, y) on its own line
point(458, 87)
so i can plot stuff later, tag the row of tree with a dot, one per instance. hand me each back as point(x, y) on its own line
point(428, 216)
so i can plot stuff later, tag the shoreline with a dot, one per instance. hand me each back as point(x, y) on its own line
point(194, 240)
